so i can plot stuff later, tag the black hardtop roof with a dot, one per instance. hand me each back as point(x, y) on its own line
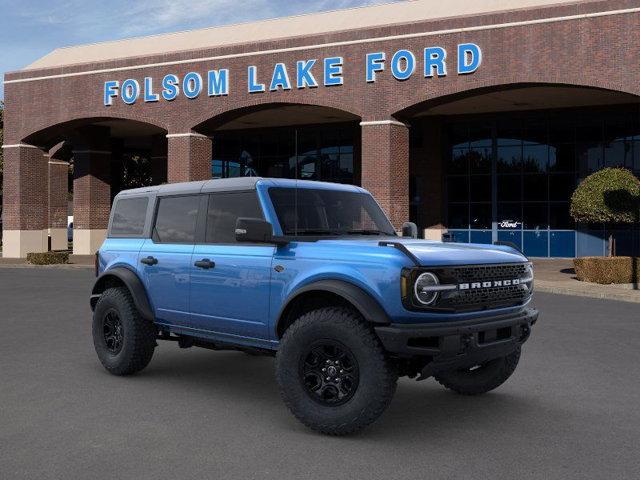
point(230, 185)
point(214, 185)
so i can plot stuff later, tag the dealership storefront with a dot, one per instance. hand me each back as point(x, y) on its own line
point(469, 121)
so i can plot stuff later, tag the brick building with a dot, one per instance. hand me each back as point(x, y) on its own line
point(478, 118)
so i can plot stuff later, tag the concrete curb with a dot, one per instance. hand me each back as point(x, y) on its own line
point(603, 292)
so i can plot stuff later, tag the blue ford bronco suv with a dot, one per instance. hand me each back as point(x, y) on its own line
point(314, 274)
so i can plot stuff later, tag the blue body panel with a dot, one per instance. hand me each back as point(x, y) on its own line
point(240, 300)
point(167, 283)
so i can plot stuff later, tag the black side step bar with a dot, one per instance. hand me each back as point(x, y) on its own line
point(402, 248)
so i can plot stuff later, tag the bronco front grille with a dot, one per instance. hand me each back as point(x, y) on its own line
point(480, 287)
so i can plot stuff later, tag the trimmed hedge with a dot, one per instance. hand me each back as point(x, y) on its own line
point(607, 270)
point(611, 195)
point(48, 258)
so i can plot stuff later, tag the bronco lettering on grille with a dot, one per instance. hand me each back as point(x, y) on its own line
point(488, 284)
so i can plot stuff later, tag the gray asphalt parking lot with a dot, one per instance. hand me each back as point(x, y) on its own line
point(569, 411)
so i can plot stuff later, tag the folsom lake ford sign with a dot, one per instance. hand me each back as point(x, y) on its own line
point(308, 73)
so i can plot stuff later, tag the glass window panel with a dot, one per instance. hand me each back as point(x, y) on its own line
point(619, 127)
point(459, 161)
point(561, 187)
point(562, 244)
point(176, 219)
point(458, 189)
point(536, 244)
point(618, 154)
point(480, 136)
point(223, 212)
point(562, 157)
point(559, 217)
point(509, 159)
point(561, 130)
point(217, 169)
point(459, 135)
point(458, 216)
point(535, 158)
point(513, 236)
point(636, 156)
point(509, 216)
point(480, 215)
point(535, 133)
point(481, 236)
point(129, 216)
point(509, 187)
point(480, 160)
point(535, 216)
point(589, 157)
point(481, 188)
point(535, 188)
point(509, 133)
point(589, 130)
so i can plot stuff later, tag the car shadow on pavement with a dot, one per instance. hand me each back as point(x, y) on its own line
point(420, 411)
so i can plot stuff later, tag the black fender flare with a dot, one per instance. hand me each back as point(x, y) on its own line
point(133, 284)
point(367, 306)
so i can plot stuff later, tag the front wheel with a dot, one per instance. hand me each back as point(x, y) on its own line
point(124, 341)
point(333, 373)
point(480, 378)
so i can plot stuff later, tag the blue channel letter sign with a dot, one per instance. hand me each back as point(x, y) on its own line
point(307, 73)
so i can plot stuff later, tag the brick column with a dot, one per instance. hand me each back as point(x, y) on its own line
point(91, 188)
point(58, 190)
point(385, 167)
point(189, 157)
point(25, 199)
point(159, 159)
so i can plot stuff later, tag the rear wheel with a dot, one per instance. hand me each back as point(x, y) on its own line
point(333, 373)
point(480, 378)
point(123, 340)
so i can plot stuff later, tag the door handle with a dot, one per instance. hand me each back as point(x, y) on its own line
point(149, 260)
point(205, 263)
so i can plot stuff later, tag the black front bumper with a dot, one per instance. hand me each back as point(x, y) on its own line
point(449, 345)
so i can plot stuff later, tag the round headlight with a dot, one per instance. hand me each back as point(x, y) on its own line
point(423, 290)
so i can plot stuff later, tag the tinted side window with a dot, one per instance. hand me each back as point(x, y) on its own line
point(224, 209)
point(176, 219)
point(129, 216)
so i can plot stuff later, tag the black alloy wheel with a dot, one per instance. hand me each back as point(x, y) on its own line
point(112, 331)
point(329, 372)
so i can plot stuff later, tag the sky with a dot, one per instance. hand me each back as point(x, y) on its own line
point(29, 29)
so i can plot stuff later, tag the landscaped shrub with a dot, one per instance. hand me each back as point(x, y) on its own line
point(48, 258)
point(611, 195)
point(607, 270)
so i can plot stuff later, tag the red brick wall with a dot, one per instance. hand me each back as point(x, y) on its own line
point(58, 188)
point(189, 158)
point(385, 168)
point(26, 187)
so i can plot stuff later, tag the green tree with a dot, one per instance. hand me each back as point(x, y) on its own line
point(609, 196)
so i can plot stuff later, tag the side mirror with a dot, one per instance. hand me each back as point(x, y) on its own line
point(409, 229)
point(254, 230)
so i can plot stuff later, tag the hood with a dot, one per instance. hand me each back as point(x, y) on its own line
point(432, 253)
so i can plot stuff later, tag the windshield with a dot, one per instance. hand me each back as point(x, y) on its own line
point(312, 212)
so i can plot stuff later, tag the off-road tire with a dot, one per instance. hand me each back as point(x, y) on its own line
point(483, 379)
point(138, 335)
point(377, 377)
